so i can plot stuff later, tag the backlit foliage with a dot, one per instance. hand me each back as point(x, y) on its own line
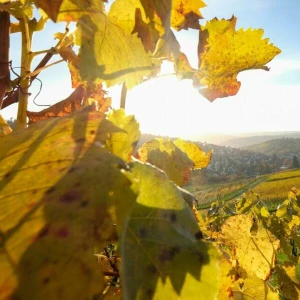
point(73, 185)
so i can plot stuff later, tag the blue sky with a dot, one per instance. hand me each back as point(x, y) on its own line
point(267, 101)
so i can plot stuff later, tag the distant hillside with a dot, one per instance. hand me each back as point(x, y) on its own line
point(280, 147)
point(214, 138)
point(241, 142)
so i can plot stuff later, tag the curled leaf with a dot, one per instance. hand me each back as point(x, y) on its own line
point(224, 52)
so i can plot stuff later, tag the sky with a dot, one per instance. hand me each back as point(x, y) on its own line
point(266, 102)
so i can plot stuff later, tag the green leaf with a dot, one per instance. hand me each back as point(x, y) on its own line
point(108, 53)
point(297, 273)
point(168, 157)
point(61, 194)
point(246, 202)
point(122, 143)
point(160, 255)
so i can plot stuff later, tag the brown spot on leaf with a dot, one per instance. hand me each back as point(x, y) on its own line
point(199, 235)
point(72, 169)
point(201, 258)
point(69, 197)
point(167, 254)
point(152, 269)
point(31, 205)
point(173, 217)
point(143, 232)
point(43, 232)
point(46, 280)
point(80, 140)
point(149, 293)
point(62, 232)
point(49, 191)
point(84, 203)
point(93, 132)
point(7, 175)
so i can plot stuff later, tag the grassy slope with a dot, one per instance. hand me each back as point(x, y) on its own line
point(277, 186)
point(278, 146)
point(272, 189)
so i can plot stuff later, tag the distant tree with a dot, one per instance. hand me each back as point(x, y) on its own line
point(295, 162)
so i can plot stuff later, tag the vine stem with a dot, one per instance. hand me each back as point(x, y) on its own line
point(4, 54)
point(25, 69)
point(37, 71)
point(123, 96)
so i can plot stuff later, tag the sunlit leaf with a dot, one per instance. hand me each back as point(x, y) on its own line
point(253, 288)
point(151, 21)
point(244, 204)
point(62, 108)
point(108, 53)
point(193, 151)
point(61, 194)
point(168, 157)
point(185, 14)
point(255, 251)
point(122, 143)
point(68, 54)
point(224, 52)
point(183, 68)
point(69, 10)
point(226, 280)
point(161, 257)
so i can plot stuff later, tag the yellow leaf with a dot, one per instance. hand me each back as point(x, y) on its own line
point(122, 143)
point(61, 195)
point(224, 52)
point(109, 53)
point(168, 157)
point(253, 288)
point(193, 151)
point(255, 253)
point(185, 14)
point(69, 10)
point(264, 212)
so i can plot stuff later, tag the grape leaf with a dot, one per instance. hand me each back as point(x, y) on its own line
point(193, 151)
point(69, 10)
point(226, 280)
point(246, 202)
point(108, 53)
point(60, 195)
point(168, 157)
point(286, 287)
point(62, 108)
point(123, 143)
point(224, 52)
point(253, 288)
point(160, 255)
point(185, 14)
point(66, 51)
point(151, 20)
point(255, 250)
